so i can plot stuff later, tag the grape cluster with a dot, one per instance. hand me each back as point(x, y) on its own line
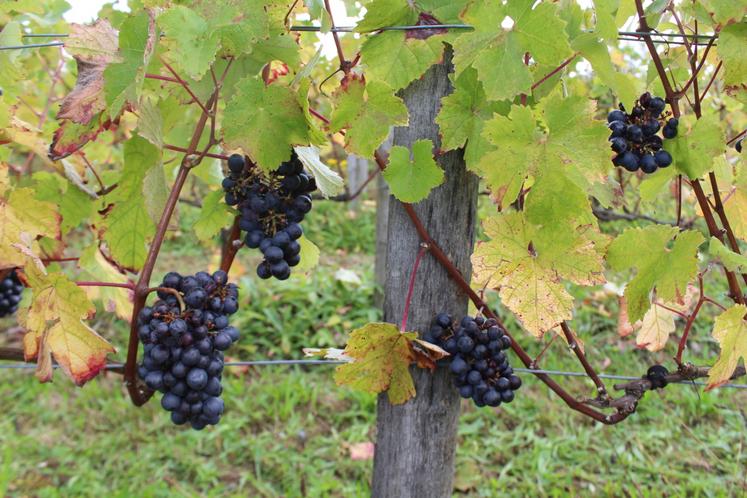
point(184, 347)
point(478, 362)
point(272, 207)
point(10, 294)
point(634, 136)
point(738, 145)
point(657, 375)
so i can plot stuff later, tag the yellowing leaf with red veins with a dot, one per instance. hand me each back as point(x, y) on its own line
point(382, 356)
point(529, 269)
point(93, 47)
point(22, 220)
point(54, 328)
point(730, 330)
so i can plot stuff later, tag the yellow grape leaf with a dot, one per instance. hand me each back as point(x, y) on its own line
point(54, 327)
point(24, 217)
point(529, 269)
point(382, 356)
point(730, 330)
point(736, 205)
point(659, 323)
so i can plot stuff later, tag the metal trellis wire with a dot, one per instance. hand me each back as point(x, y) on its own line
point(635, 36)
point(263, 363)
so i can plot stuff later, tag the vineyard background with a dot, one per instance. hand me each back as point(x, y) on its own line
point(293, 432)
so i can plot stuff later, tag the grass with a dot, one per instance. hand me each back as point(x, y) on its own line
point(288, 430)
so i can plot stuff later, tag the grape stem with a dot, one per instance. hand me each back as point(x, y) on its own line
point(171, 291)
point(411, 287)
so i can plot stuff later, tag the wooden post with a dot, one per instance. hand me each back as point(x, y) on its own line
point(416, 441)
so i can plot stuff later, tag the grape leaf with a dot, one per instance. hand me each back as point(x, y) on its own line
point(731, 260)
point(731, 41)
point(463, 115)
point(367, 111)
point(625, 86)
point(74, 204)
point(123, 81)
point(381, 360)
point(265, 122)
point(730, 330)
point(24, 216)
point(55, 328)
point(396, 60)
point(93, 47)
point(214, 215)
point(383, 13)
point(529, 268)
point(659, 322)
point(128, 226)
point(498, 54)
point(81, 116)
point(571, 144)
point(411, 180)
point(327, 180)
point(309, 255)
point(696, 145)
point(190, 41)
point(666, 270)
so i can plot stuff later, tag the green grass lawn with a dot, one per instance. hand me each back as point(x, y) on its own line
point(288, 431)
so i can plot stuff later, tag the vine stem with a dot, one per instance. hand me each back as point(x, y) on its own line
point(555, 71)
point(411, 287)
point(138, 395)
point(689, 323)
point(344, 65)
point(573, 344)
point(230, 248)
point(162, 78)
point(186, 87)
point(176, 148)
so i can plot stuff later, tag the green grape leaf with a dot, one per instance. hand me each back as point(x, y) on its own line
point(732, 261)
point(128, 226)
point(328, 181)
point(384, 13)
point(570, 143)
point(730, 330)
point(529, 269)
point(498, 55)
point(666, 270)
point(696, 145)
point(396, 60)
point(265, 122)
point(463, 115)
point(412, 179)
point(367, 111)
point(214, 216)
point(190, 41)
point(123, 81)
point(75, 205)
point(239, 24)
point(381, 359)
point(625, 86)
point(150, 122)
point(55, 328)
point(731, 42)
point(309, 255)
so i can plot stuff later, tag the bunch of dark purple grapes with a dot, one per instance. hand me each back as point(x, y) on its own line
point(11, 290)
point(478, 362)
point(634, 136)
point(272, 207)
point(184, 346)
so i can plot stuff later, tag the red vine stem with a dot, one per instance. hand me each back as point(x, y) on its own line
point(555, 71)
point(176, 148)
point(344, 65)
point(694, 75)
point(411, 287)
point(139, 395)
point(162, 78)
point(573, 344)
point(689, 323)
point(186, 87)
